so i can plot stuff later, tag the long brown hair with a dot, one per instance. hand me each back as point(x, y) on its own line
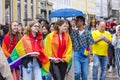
point(11, 35)
point(28, 28)
point(70, 26)
point(59, 22)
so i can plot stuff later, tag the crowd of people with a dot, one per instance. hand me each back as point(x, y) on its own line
point(61, 50)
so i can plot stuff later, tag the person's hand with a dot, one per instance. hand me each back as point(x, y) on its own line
point(34, 55)
point(101, 38)
point(106, 40)
point(56, 61)
point(91, 58)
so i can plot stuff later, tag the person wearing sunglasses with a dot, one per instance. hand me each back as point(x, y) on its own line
point(30, 50)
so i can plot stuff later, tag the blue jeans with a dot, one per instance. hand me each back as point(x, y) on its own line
point(102, 62)
point(33, 68)
point(81, 66)
point(47, 77)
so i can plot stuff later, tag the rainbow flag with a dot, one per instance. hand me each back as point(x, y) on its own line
point(53, 47)
point(58, 49)
point(24, 48)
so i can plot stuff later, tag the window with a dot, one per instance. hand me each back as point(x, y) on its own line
point(19, 10)
point(25, 11)
point(32, 9)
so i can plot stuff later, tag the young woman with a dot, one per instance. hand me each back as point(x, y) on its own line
point(52, 27)
point(45, 31)
point(92, 25)
point(9, 42)
point(116, 44)
point(68, 27)
point(21, 29)
point(58, 47)
point(33, 45)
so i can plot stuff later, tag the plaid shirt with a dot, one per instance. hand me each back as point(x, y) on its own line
point(83, 40)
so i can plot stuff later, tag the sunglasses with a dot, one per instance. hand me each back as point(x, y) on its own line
point(36, 26)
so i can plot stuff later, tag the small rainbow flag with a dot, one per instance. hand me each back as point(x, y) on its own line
point(85, 51)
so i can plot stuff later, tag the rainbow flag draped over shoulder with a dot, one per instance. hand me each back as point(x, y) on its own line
point(58, 49)
point(26, 47)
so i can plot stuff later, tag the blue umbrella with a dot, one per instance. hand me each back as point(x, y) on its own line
point(66, 12)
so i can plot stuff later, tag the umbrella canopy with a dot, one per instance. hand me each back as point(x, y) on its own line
point(66, 12)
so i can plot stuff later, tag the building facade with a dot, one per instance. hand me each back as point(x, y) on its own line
point(101, 9)
point(58, 4)
point(2, 12)
point(44, 8)
point(86, 6)
point(19, 10)
point(115, 8)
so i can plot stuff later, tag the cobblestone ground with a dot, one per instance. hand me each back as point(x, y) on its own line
point(110, 76)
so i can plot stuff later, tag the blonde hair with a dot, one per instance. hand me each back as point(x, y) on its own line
point(28, 28)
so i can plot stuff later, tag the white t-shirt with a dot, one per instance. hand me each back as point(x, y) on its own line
point(81, 32)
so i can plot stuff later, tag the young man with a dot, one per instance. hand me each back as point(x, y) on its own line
point(82, 40)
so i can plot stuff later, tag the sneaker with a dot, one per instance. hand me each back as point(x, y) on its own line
point(110, 69)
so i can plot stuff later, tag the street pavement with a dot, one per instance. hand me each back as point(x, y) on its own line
point(110, 76)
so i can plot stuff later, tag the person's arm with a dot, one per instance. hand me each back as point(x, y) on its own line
point(114, 40)
point(4, 67)
point(97, 40)
point(90, 47)
point(5, 50)
point(90, 42)
point(91, 54)
point(108, 39)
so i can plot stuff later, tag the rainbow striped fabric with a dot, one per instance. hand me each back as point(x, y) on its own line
point(25, 47)
point(59, 49)
point(84, 51)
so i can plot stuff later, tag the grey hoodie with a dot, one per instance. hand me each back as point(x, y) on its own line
point(115, 39)
point(4, 67)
